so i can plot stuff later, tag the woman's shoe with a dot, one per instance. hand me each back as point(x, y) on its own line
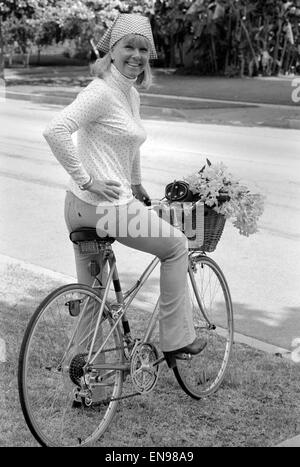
point(193, 349)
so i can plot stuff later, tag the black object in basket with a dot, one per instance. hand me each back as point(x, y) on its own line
point(179, 191)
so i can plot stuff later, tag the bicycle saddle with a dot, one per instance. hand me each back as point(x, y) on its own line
point(87, 234)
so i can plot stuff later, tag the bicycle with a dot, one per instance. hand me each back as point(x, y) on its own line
point(78, 343)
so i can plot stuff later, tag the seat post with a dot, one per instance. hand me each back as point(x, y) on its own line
point(118, 292)
point(116, 280)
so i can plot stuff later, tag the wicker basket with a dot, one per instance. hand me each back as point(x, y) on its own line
point(206, 232)
point(213, 228)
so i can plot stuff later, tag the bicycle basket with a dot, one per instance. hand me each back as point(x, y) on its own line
point(213, 228)
point(203, 228)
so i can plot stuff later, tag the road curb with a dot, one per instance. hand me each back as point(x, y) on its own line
point(2, 351)
point(55, 275)
point(42, 98)
point(290, 443)
point(233, 103)
point(294, 124)
point(174, 113)
point(264, 346)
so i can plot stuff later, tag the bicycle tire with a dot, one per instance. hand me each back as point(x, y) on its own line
point(211, 302)
point(49, 372)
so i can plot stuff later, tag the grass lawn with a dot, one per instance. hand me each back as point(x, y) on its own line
point(257, 404)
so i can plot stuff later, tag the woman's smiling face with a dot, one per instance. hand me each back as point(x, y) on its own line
point(131, 55)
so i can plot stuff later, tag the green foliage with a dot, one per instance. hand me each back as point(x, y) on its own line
point(221, 37)
point(170, 28)
point(41, 22)
point(242, 36)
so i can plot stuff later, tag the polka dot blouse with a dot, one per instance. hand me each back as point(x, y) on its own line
point(106, 117)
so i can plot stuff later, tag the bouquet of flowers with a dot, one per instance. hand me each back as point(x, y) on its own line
point(218, 189)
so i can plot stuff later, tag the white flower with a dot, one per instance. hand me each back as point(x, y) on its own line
point(221, 191)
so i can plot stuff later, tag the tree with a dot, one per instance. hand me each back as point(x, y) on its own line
point(169, 28)
point(243, 36)
point(40, 22)
point(15, 16)
point(9, 8)
point(223, 36)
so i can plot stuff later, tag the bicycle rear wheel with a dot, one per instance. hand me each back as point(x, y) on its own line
point(213, 320)
point(62, 404)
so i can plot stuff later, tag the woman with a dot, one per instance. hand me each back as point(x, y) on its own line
point(105, 171)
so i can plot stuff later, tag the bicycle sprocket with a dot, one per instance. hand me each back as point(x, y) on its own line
point(76, 368)
point(143, 373)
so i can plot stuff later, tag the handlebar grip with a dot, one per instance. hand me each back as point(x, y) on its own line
point(147, 201)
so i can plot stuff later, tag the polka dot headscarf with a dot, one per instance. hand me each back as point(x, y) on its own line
point(127, 24)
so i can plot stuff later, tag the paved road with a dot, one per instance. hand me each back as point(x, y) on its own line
point(263, 271)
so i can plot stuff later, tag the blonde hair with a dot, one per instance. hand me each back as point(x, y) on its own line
point(101, 68)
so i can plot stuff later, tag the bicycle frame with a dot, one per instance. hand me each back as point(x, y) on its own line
point(121, 304)
point(123, 301)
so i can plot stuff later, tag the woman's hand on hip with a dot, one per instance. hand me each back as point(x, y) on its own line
point(108, 188)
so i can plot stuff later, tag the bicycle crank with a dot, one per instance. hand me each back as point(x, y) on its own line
point(144, 369)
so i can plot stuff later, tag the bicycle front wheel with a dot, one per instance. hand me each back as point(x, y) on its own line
point(213, 320)
point(62, 404)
